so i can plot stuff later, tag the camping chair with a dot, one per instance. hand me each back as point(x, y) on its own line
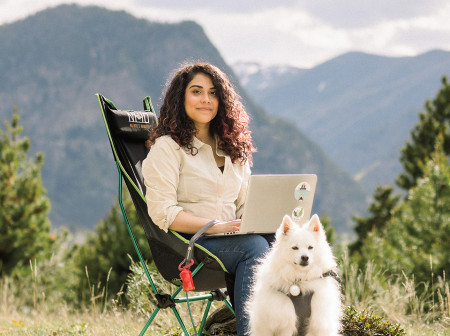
point(127, 132)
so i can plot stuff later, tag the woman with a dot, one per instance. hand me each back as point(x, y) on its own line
point(198, 170)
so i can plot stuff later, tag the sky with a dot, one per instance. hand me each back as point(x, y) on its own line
point(301, 33)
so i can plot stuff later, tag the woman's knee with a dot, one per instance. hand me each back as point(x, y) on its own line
point(256, 245)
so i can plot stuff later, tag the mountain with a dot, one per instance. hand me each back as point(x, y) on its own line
point(358, 107)
point(52, 64)
point(255, 77)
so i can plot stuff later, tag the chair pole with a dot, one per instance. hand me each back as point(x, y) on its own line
point(138, 251)
point(150, 320)
point(205, 316)
point(130, 231)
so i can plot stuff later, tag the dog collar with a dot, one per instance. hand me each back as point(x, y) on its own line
point(294, 290)
point(332, 274)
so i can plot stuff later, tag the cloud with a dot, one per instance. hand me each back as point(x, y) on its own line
point(296, 32)
point(336, 13)
point(357, 13)
point(217, 7)
point(307, 32)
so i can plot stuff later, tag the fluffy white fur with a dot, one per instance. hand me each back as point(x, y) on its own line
point(300, 256)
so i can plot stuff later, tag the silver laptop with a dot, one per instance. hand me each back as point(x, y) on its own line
point(270, 197)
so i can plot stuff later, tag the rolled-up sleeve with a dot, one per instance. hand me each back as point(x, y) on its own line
point(161, 171)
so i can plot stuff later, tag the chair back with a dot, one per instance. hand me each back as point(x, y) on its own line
point(127, 131)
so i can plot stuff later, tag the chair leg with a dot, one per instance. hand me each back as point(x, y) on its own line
point(228, 303)
point(209, 297)
point(150, 320)
point(130, 232)
point(155, 312)
point(180, 321)
point(205, 315)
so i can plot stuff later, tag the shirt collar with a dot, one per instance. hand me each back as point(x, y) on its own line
point(198, 144)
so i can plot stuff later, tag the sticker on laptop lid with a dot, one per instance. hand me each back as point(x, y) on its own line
point(302, 191)
point(298, 213)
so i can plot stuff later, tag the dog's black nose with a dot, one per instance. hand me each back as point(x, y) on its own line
point(304, 260)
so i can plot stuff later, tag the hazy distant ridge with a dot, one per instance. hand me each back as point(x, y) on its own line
point(360, 108)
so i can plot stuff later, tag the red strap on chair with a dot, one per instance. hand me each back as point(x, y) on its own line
point(186, 276)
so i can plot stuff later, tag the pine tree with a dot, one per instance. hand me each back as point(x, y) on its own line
point(415, 241)
point(433, 122)
point(425, 220)
point(380, 210)
point(436, 120)
point(24, 206)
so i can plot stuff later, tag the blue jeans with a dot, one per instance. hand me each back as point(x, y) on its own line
point(240, 255)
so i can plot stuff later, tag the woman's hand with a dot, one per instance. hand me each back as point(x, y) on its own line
point(187, 223)
point(223, 227)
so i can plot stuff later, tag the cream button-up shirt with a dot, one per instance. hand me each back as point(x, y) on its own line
point(175, 180)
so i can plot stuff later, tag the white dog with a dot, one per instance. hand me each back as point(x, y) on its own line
point(296, 278)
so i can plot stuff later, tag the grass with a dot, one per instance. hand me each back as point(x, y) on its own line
point(69, 323)
point(91, 321)
point(27, 306)
point(397, 300)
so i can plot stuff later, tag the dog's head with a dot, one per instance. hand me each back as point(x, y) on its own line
point(304, 246)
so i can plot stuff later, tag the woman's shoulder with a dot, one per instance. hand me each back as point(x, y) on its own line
point(165, 141)
point(164, 148)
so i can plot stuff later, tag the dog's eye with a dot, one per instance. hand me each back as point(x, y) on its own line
point(310, 247)
point(295, 247)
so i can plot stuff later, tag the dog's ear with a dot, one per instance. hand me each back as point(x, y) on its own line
point(286, 224)
point(315, 225)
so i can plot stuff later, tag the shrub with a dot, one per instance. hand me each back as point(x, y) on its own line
point(366, 323)
point(103, 259)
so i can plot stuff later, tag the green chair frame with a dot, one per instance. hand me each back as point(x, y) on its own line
point(164, 301)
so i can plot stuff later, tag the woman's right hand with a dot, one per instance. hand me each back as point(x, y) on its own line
point(224, 227)
point(187, 223)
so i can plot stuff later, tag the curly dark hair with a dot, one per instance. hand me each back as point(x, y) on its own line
point(230, 124)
